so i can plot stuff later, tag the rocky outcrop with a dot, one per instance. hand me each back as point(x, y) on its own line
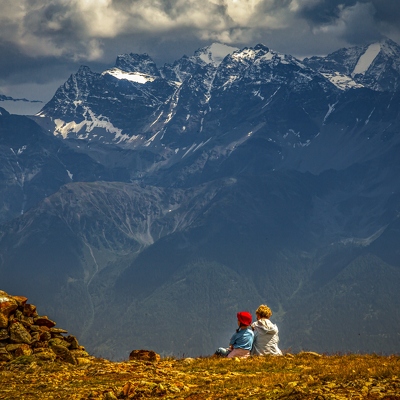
point(23, 332)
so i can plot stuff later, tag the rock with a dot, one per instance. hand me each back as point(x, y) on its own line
point(40, 344)
point(12, 347)
point(43, 328)
point(7, 305)
point(30, 310)
point(45, 336)
point(144, 355)
point(310, 353)
point(56, 336)
point(35, 337)
point(35, 328)
point(5, 355)
point(58, 342)
point(83, 360)
point(44, 321)
point(58, 330)
point(79, 353)
point(73, 342)
point(64, 354)
point(23, 350)
point(4, 334)
point(26, 322)
point(18, 333)
point(21, 300)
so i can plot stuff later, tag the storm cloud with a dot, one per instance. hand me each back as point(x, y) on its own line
point(48, 40)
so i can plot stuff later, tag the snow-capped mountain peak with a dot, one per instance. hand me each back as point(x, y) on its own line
point(262, 54)
point(132, 62)
point(214, 54)
point(376, 65)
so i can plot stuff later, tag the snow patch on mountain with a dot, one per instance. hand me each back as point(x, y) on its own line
point(331, 109)
point(137, 77)
point(90, 122)
point(365, 61)
point(22, 149)
point(343, 82)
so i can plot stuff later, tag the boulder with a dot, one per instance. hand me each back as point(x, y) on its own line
point(18, 333)
point(44, 321)
point(144, 355)
point(63, 353)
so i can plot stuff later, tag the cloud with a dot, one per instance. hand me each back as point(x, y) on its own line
point(46, 40)
point(356, 21)
point(77, 28)
point(81, 29)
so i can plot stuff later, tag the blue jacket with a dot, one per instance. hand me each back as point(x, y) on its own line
point(242, 339)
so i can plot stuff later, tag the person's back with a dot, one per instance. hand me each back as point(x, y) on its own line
point(241, 342)
point(266, 336)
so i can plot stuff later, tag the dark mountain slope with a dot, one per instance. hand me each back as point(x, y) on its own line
point(35, 164)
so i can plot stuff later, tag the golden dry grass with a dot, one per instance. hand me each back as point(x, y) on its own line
point(302, 376)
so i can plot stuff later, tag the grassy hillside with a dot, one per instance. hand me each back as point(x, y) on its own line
point(301, 376)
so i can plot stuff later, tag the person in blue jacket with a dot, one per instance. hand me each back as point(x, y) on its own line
point(242, 340)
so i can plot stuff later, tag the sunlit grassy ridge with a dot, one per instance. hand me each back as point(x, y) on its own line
point(302, 376)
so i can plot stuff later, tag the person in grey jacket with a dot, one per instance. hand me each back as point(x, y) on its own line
point(266, 337)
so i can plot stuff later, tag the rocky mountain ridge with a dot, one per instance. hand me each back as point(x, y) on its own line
point(227, 179)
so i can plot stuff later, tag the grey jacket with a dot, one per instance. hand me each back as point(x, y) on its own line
point(266, 338)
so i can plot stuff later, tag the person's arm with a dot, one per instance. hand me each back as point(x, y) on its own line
point(232, 341)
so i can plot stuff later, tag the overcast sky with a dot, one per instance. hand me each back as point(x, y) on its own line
point(43, 41)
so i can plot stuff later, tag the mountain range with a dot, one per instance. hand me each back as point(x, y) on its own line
point(144, 206)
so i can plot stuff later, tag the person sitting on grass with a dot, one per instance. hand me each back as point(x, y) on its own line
point(242, 341)
point(266, 337)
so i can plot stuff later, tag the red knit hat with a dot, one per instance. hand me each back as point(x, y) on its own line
point(244, 317)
